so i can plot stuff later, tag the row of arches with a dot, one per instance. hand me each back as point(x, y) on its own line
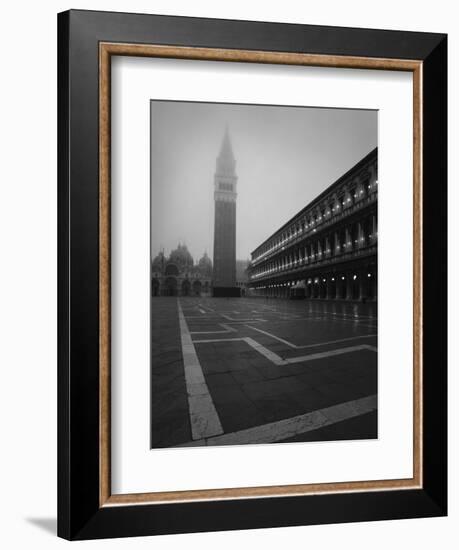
point(353, 285)
point(354, 237)
point(171, 286)
point(362, 189)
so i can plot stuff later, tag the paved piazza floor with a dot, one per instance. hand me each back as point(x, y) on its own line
point(229, 371)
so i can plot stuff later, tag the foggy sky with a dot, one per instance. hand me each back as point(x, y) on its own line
point(285, 157)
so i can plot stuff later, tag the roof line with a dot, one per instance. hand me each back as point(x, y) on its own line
point(319, 197)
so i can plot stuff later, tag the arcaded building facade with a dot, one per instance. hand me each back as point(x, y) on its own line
point(327, 251)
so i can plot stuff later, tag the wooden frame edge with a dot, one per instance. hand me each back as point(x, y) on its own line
point(417, 276)
point(104, 276)
point(106, 50)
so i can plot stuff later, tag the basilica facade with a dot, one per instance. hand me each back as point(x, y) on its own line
point(328, 250)
point(178, 274)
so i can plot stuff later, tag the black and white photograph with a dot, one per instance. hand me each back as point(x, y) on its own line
point(264, 247)
point(229, 288)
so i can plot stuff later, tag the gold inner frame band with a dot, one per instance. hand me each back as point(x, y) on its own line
point(106, 51)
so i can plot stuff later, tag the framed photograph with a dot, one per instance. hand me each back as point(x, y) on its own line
point(252, 317)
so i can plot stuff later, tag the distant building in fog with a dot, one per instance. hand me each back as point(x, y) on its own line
point(178, 275)
point(242, 276)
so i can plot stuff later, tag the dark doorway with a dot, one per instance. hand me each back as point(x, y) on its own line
point(197, 286)
point(186, 287)
point(171, 286)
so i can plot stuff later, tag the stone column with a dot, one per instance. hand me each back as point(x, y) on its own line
point(339, 286)
point(328, 295)
point(349, 285)
point(363, 285)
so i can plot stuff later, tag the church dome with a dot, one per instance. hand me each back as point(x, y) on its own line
point(205, 265)
point(181, 256)
point(158, 262)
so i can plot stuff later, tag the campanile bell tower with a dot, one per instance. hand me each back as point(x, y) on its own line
point(225, 180)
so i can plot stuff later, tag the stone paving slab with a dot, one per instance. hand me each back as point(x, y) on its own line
point(170, 422)
point(277, 394)
point(246, 384)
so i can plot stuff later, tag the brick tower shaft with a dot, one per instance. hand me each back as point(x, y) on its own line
point(225, 180)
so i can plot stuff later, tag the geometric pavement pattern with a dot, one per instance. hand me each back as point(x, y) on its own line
point(232, 371)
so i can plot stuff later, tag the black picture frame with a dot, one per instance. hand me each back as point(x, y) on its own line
point(80, 515)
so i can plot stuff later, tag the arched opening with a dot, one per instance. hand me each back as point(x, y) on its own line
point(355, 287)
point(172, 270)
point(331, 280)
point(186, 287)
point(367, 231)
point(316, 289)
point(372, 284)
point(341, 287)
point(171, 286)
point(322, 288)
point(155, 287)
point(340, 242)
point(197, 286)
point(355, 236)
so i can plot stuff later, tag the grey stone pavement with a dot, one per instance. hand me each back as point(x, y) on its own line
point(252, 370)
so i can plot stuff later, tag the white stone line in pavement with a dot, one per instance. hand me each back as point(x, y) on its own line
point(242, 322)
point(372, 348)
point(223, 325)
point(228, 318)
point(230, 322)
point(214, 340)
point(290, 344)
point(204, 418)
point(272, 336)
point(322, 355)
point(209, 309)
point(277, 360)
point(273, 357)
point(297, 425)
point(201, 317)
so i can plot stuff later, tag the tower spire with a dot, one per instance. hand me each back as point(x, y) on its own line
point(226, 164)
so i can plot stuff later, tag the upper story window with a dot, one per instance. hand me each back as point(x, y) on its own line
point(347, 201)
point(360, 192)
